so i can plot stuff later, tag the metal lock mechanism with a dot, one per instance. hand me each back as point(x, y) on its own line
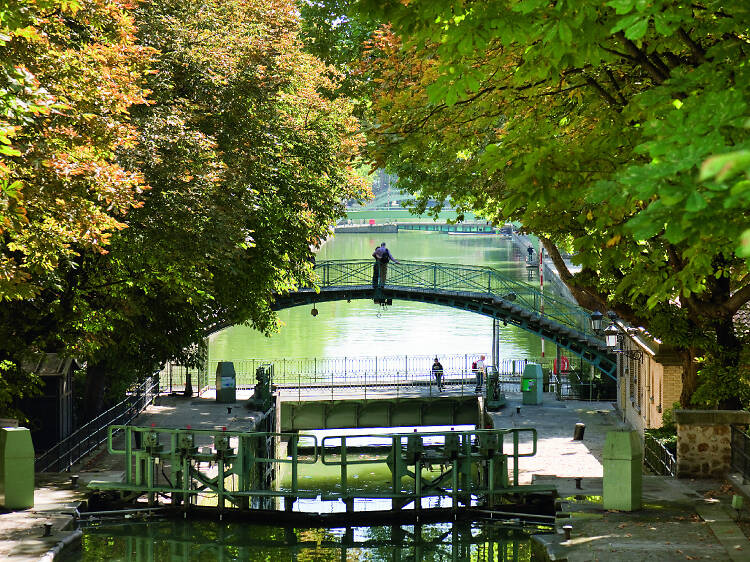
point(451, 447)
point(221, 444)
point(414, 448)
point(488, 444)
point(186, 443)
point(151, 442)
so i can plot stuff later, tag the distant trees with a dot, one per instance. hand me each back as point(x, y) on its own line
point(237, 162)
point(618, 130)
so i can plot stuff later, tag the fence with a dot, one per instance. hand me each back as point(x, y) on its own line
point(88, 437)
point(740, 443)
point(658, 458)
point(402, 370)
point(568, 388)
point(174, 377)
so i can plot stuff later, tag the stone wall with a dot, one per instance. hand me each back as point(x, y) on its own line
point(703, 441)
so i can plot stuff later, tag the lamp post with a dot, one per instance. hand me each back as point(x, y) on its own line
point(614, 335)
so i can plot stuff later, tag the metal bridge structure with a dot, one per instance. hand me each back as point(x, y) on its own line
point(482, 290)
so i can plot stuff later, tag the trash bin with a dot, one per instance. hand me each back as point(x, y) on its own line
point(623, 471)
point(16, 468)
point(531, 384)
point(226, 383)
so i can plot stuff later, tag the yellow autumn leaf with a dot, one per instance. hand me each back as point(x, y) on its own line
point(612, 241)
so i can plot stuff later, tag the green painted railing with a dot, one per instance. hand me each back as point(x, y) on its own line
point(229, 467)
point(464, 279)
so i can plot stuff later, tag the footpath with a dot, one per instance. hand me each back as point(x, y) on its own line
point(680, 519)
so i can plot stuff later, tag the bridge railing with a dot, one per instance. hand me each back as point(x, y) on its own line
point(385, 368)
point(478, 280)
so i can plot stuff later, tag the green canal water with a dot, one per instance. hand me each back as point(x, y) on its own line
point(209, 541)
point(362, 328)
point(341, 329)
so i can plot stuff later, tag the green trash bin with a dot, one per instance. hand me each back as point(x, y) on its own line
point(532, 381)
point(16, 468)
point(623, 471)
point(226, 383)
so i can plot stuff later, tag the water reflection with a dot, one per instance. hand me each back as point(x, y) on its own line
point(208, 541)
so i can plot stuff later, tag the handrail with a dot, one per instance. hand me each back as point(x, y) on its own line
point(89, 436)
point(402, 438)
point(657, 457)
point(472, 279)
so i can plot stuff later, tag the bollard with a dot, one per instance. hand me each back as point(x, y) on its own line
point(567, 529)
point(74, 481)
point(518, 409)
point(622, 482)
point(229, 410)
point(47, 530)
point(16, 468)
point(578, 432)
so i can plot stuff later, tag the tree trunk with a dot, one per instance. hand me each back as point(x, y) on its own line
point(689, 377)
point(188, 384)
point(95, 389)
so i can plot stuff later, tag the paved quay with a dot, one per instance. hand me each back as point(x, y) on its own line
point(680, 519)
point(55, 502)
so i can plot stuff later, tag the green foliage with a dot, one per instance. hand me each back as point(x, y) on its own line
point(16, 384)
point(719, 381)
point(667, 433)
point(618, 128)
point(242, 162)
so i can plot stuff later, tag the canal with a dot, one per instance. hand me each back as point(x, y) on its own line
point(210, 541)
point(357, 328)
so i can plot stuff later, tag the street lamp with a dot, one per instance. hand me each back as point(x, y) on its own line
point(596, 321)
point(614, 336)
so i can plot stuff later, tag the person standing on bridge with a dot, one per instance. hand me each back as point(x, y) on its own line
point(375, 268)
point(480, 373)
point(382, 256)
point(437, 370)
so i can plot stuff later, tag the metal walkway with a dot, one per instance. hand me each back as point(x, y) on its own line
point(482, 290)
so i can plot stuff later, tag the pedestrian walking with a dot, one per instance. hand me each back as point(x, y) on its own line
point(437, 370)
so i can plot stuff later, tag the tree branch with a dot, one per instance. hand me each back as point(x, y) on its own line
point(737, 300)
point(604, 93)
point(640, 56)
point(586, 296)
point(695, 48)
point(612, 79)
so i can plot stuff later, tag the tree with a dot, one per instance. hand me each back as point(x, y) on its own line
point(70, 71)
point(589, 123)
point(248, 164)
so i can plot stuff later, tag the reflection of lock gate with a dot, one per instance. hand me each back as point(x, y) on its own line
point(239, 468)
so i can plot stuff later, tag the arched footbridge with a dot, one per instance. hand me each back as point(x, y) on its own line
point(482, 290)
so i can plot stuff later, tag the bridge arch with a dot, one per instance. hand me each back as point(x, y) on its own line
point(481, 290)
